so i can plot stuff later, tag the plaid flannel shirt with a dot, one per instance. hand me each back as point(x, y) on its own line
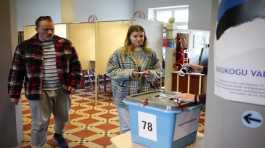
point(120, 69)
point(27, 67)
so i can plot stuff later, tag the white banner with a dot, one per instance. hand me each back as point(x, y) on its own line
point(240, 63)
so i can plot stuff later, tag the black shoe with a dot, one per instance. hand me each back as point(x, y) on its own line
point(60, 141)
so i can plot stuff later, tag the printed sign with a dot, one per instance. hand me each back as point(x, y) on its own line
point(239, 52)
point(186, 123)
point(147, 126)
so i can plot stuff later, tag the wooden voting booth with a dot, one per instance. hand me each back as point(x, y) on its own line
point(192, 83)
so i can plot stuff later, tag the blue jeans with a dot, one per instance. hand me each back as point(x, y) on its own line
point(124, 119)
point(52, 101)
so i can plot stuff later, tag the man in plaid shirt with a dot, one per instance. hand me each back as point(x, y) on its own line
point(49, 68)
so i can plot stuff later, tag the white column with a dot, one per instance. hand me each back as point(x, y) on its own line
point(10, 117)
point(169, 61)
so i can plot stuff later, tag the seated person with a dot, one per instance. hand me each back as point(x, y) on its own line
point(202, 67)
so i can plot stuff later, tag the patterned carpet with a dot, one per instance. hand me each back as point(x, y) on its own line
point(91, 124)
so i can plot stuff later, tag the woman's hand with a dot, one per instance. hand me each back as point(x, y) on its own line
point(146, 73)
point(140, 74)
point(136, 74)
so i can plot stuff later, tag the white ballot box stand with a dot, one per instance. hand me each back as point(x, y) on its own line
point(124, 141)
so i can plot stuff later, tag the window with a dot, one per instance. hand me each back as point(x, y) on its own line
point(181, 15)
point(162, 14)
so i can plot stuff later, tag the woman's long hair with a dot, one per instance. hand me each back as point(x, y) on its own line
point(128, 44)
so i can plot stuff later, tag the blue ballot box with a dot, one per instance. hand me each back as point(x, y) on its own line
point(162, 120)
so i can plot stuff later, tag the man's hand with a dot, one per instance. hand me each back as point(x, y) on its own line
point(14, 100)
point(70, 89)
point(196, 68)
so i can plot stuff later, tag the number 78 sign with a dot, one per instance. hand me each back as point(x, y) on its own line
point(147, 126)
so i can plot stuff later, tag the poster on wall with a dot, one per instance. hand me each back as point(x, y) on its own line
point(240, 51)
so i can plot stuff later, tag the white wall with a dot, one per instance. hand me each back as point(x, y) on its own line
point(29, 10)
point(103, 9)
point(200, 10)
point(8, 119)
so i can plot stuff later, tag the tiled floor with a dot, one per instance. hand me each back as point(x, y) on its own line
point(91, 125)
